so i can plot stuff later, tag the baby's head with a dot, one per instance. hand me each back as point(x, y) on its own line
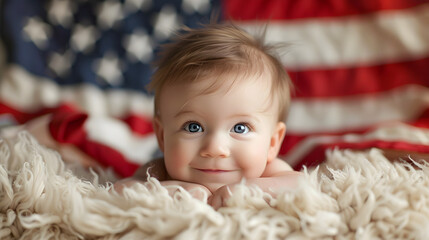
point(219, 50)
point(221, 98)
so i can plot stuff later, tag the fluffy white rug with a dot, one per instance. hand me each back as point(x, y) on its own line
point(354, 196)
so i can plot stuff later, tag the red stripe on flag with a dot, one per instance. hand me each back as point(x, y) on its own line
point(22, 117)
point(423, 120)
point(108, 157)
point(359, 80)
point(291, 140)
point(139, 123)
point(67, 126)
point(290, 9)
point(317, 155)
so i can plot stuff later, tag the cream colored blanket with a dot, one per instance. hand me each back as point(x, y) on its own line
point(355, 196)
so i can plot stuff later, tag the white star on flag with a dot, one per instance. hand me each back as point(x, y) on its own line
point(200, 6)
point(61, 12)
point(60, 63)
point(139, 46)
point(135, 5)
point(109, 69)
point(109, 13)
point(37, 31)
point(166, 22)
point(83, 38)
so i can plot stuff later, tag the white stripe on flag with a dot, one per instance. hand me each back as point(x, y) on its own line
point(115, 134)
point(309, 116)
point(26, 92)
point(388, 132)
point(386, 36)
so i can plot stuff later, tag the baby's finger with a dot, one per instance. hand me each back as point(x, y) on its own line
point(200, 193)
point(216, 201)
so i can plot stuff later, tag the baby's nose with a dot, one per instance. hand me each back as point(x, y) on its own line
point(215, 147)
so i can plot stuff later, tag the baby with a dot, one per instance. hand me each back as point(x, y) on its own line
point(221, 98)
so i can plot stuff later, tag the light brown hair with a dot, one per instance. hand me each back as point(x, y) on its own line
point(215, 50)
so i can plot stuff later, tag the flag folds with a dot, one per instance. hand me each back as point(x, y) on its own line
point(360, 71)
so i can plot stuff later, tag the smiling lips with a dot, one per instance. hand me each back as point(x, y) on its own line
point(214, 170)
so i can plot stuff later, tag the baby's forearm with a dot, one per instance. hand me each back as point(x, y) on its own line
point(285, 181)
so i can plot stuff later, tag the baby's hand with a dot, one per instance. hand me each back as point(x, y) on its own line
point(196, 190)
point(124, 183)
point(219, 197)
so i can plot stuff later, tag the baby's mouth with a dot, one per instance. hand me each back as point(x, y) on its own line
point(214, 170)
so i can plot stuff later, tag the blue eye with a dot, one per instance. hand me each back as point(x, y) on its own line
point(193, 127)
point(241, 128)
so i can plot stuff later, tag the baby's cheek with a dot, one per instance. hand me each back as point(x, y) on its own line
point(252, 162)
point(177, 160)
point(253, 172)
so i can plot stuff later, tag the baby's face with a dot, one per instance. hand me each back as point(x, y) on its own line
point(217, 138)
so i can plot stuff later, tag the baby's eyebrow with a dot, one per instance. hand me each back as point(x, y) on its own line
point(244, 115)
point(183, 112)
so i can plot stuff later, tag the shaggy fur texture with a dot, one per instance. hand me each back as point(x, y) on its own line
point(355, 195)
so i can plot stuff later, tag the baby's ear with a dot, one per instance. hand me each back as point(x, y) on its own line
point(276, 141)
point(159, 131)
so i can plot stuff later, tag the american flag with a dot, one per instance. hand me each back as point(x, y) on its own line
point(360, 69)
